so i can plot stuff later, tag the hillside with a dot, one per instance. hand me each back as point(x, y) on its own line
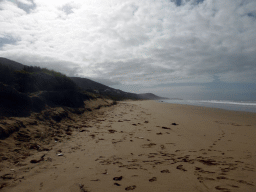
point(29, 88)
point(151, 96)
point(33, 89)
point(12, 64)
point(116, 94)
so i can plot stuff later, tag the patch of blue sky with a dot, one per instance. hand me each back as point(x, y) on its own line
point(7, 40)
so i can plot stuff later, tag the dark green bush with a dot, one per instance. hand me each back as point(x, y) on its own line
point(33, 79)
point(6, 75)
point(25, 82)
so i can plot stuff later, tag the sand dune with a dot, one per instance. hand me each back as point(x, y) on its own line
point(141, 146)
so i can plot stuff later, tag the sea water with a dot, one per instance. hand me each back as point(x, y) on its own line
point(248, 106)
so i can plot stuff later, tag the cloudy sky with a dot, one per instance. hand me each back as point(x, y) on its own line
point(190, 49)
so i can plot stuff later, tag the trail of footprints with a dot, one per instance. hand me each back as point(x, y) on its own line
point(222, 135)
point(206, 169)
point(211, 166)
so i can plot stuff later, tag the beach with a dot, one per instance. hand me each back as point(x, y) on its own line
point(143, 146)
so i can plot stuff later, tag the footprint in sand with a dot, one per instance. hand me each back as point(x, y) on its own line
point(180, 167)
point(82, 188)
point(208, 162)
point(199, 169)
point(201, 179)
point(3, 185)
point(244, 182)
point(118, 178)
point(152, 179)
point(7, 176)
point(95, 180)
point(92, 135)
point(222, 189)
point(41, 186)
point(130, 188)
point(165, 171)
point(221, 177)
point(148, 145)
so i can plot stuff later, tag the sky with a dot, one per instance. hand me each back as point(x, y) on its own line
point(188, 49)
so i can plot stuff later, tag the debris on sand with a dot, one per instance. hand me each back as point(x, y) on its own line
point(37, 161)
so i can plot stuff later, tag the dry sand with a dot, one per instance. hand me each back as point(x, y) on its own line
point(144, 146)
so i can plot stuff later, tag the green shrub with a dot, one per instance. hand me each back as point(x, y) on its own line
point(33, 79)
point(6, 75)
point(25, 82)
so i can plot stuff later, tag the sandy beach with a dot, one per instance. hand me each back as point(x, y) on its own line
point(142, 146)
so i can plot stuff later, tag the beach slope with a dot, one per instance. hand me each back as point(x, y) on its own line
point(144, 146)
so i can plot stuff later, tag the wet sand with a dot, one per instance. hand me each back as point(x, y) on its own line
point(144, 146)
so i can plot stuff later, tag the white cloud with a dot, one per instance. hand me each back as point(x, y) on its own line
point(188, 43)
point(10, 11)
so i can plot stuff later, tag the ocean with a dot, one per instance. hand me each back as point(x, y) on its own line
point(248, 106)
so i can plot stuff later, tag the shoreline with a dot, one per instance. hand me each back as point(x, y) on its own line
point(144, 146)
point(211, 108)
point(225, 106)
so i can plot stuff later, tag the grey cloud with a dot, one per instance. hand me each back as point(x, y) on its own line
point(135, 71)
point(27, 7)
point(177, 2)
point(200, 53)
point(183, 2)
point(67, 9)
point(252, 14)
